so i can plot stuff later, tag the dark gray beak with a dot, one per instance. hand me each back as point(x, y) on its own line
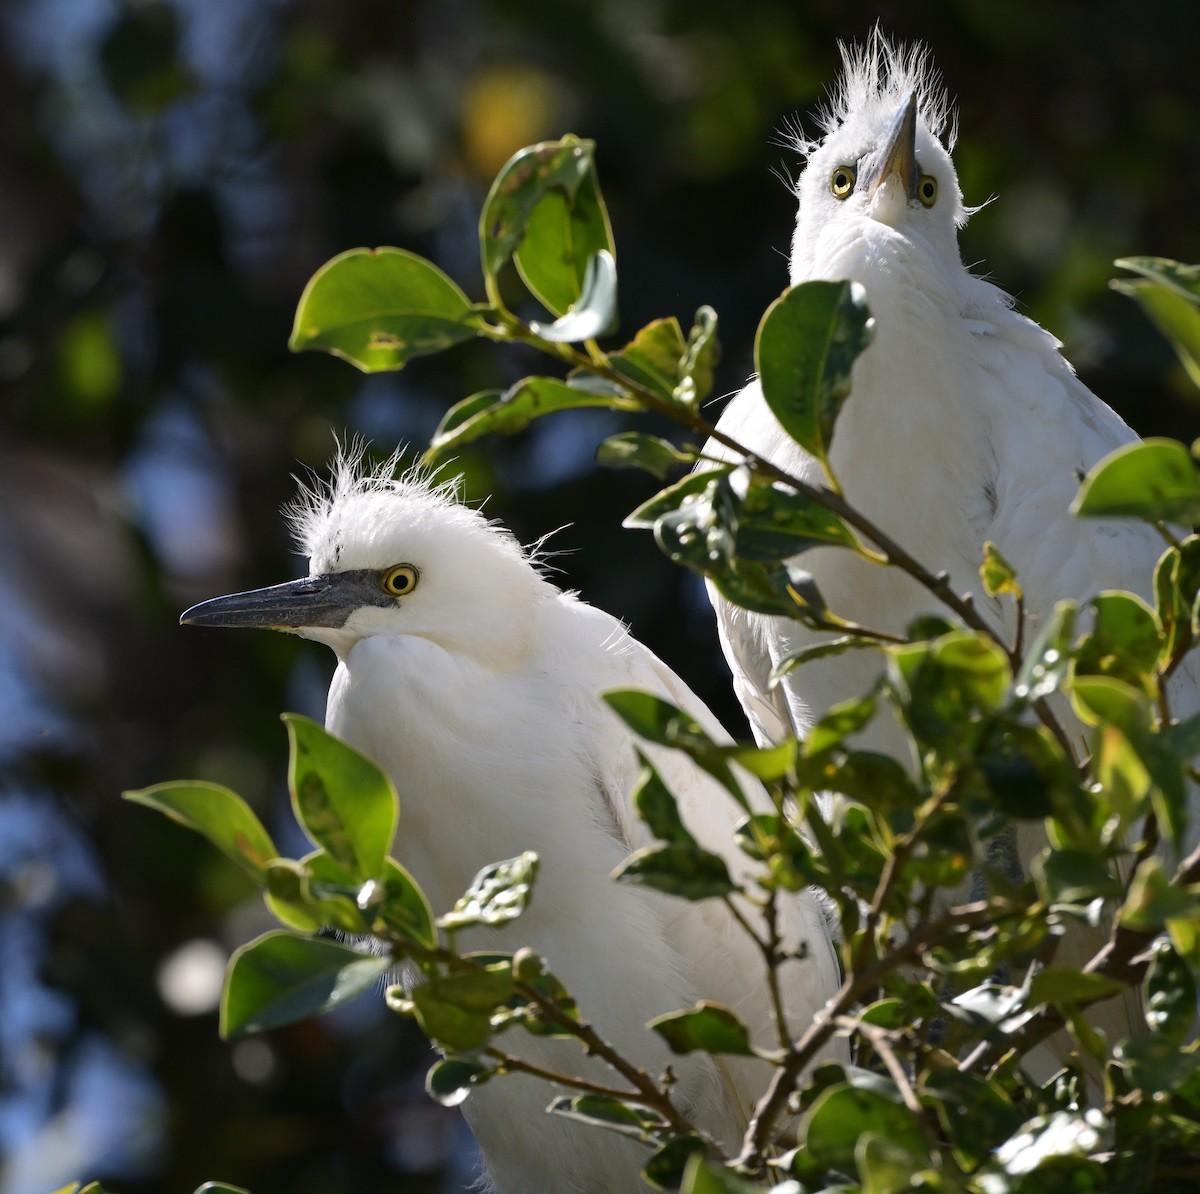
point(899, 153)
point(311, 601)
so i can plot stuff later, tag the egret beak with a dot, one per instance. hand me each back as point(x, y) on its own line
point(898, 157)
point(311, 601)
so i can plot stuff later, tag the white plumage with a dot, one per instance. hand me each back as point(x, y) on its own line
point(478, 692)
point(964, 423)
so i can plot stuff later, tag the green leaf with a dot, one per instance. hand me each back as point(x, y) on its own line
point(280, 978)
point(997, 574)
point(545, 209)
point(510, 411)
point(451, 1079)
point(498, 894)
point(345, 804)
point(838, 722)
point(708, 1026)
point(313, 894)
point(220, 1188)
point(701, 1176)
point(770, 838)
point(774, 523)
point(1170, 994)
point(665, 1169)
point(678, 868)
point(1057, 985)
point(1124, 641)
point(652, 358)
point(699, 360)
point(401, 906)
point(1074, 877)
point(594, 313)
point(821, 650)
point(1156, 1064)
point(218, 814)
point(806, 345)
point(633, 449)
point(379, 308)
point(455, 1010)
point(1153, 900)
point(657, 807)
point(977, 1116)
point(659, 721)
point(618, 1115)
point(884, 1167)
point(646, 516)
point(1176, 586)
point(832, 1126)
point(1169, 293)
point(1151, 479)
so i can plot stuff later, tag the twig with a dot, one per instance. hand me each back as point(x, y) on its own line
point(881, 1043)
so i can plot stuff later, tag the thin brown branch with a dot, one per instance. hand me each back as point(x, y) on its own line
point(880, 1041)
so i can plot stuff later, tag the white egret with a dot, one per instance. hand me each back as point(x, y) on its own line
point(475, 683)
point(964, 423)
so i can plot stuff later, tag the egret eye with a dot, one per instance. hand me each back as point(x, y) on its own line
point(841, 181)
point(400, 580)
point(927, 190)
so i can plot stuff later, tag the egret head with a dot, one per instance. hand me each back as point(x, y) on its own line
point(879, 183)
point(393, 556)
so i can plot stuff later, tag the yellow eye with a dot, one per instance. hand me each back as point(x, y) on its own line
point(400, 580)
point(927, 190)
point(841, 181)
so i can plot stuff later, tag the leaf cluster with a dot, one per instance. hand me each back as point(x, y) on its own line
point(943, 997)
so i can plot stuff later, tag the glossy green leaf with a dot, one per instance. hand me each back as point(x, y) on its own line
point(822, 650)
point(832, 1126)
point(701, 1176)
point(1152, 479)
point(1176, 587)
point(699, 359)
point(218, 814)
point(646, 516)
point(653, 357)
point(564, 232)
point(1169, 293)
point(666, 1167)
point(379, 308)
point(1075, 877)
point(661, 722)
point(806, 346)
point(346, 805)
point(678, 868)
point(280, 978)
point(594, 312)
point(498, 894)
point(545, 209)
point(656, 805)
point(997, 574)
point(603, 1111)
point(510, 411)
point(451, 1079)
point(773, 523)
point(313, 894)
point(977, 1116)
point(1153, 900)
point(455, 1010)
point(838, 722)
point(1058, 985)
point(633, 449)
point(1157, 1064)
point(1124, 641)
point(883, 1166)
point(1170, 993)
point(708, 1026)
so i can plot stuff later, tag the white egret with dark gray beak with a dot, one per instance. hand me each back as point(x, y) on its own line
point(964, 424)
point(476, 685)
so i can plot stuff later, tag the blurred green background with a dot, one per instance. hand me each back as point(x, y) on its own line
point(170, 175)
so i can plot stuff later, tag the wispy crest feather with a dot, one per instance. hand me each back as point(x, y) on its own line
point(882, 74)
point(351, 476)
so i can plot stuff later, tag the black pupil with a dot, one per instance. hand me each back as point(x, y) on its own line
point(400, 582)
point(842, 179)
point(929, 190)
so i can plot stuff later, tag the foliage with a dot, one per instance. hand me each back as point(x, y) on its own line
point(941, 1004)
